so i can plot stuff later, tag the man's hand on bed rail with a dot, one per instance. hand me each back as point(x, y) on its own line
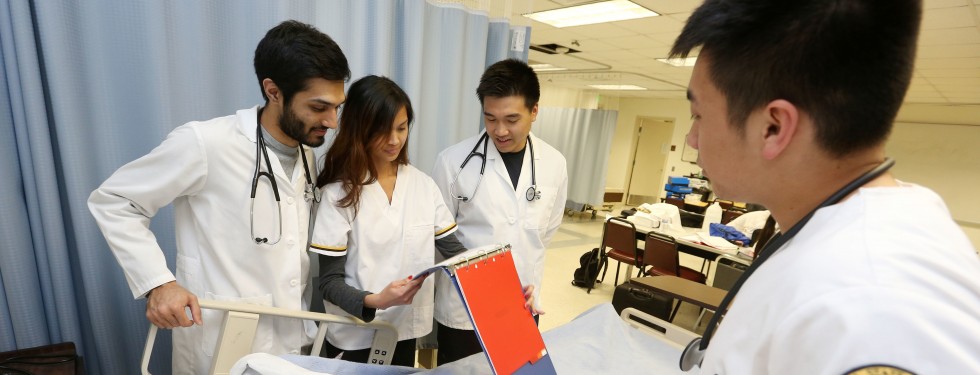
point(529, 300)
point(166, 306)
point(399, 292)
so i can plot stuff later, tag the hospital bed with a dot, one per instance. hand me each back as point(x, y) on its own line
point(240, 322)
point(596, 342)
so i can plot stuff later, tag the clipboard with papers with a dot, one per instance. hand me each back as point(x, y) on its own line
point(487, 282)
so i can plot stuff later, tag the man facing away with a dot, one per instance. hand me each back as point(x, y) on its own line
point(792, 101)
point(519, 199)
point(216, 173)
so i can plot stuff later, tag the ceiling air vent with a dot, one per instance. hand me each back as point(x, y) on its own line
point(553, 49)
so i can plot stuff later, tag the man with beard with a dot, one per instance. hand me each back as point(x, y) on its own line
point(242, 188)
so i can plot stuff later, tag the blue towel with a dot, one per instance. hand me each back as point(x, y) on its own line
point(728, 233)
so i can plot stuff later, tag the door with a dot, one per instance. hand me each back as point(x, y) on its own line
point(649, 160)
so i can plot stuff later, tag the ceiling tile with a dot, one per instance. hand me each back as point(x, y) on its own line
point(601, 30)
point(621, 54)
point(652, 25)
point(632, 42)
point(957, 63)
point(680, 17)
point(941, 51)
point(975, 99)
point(926, 100)
point(656, 52)
point(940, 83)
point(935, 4)
point(962, 35)
point(665, 38)
point(945, 73)
point(948, 18)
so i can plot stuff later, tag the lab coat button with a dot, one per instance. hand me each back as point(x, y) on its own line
point(290, 200)
point(511, 220)
point(293, 282)
point(290, 242)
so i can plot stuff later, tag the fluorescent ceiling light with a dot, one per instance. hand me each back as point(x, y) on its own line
point(606, 11)
point(546, 67)
point(618, 87)
point(687, 61)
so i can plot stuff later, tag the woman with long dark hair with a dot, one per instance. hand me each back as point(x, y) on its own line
point(381, 219)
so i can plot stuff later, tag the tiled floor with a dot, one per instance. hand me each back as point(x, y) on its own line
point(563, 301)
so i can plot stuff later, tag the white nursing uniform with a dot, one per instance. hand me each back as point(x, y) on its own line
point(384, 242)
point(205, 169)
point(884, 278)
point(499, 214)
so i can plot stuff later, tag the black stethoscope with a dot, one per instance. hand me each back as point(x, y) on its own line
point(309, 194)
point(532, 192)
point(694, 352)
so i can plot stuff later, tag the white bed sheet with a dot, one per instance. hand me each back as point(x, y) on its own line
point(595, 342)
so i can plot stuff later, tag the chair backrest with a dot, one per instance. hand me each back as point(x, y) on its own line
point(660, 253)
point(619, 234)
point(728, 215)
point(727, 271)
point(725, 205)
point(675, 201)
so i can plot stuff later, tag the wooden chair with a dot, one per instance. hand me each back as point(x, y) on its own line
point(619, 244)
point(728, 215)
point(725, 205)
point(661, 255)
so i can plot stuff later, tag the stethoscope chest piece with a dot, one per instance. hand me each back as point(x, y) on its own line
point(692, 355)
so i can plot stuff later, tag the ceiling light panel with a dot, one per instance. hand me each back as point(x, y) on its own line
point(601, 12)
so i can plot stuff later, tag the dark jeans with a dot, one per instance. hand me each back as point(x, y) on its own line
point(456, 344)
point(404, 353)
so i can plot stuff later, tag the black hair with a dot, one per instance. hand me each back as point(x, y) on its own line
point(847, 64)
point(369, 113)
point(292, 53)
point(510, 78)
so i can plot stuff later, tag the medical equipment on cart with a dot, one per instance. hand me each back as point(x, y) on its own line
point(241, 321)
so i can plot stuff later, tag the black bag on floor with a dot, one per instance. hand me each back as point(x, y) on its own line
point(643, 299)
point(585, 276)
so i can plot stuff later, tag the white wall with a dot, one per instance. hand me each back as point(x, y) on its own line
point(937, 146)
point(950, 134)
point(630, 109)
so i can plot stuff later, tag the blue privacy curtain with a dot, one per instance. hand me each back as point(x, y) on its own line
point(584, 136)
point(88, 86)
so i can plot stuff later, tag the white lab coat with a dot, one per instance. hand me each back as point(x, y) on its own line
point(205, 169)
point(863, 283)
point(497, 213)
point(384, 242)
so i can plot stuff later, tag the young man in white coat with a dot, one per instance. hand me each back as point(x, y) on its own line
point(511, 190)
point(215, 173)
point(792, 103)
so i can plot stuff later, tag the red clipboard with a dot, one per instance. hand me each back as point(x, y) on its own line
point(494, 298)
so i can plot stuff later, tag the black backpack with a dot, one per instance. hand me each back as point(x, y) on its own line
point(585, 276)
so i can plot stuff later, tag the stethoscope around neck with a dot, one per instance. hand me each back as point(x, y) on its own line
point(694, 352)
point(311, 193)
point(532, 193)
